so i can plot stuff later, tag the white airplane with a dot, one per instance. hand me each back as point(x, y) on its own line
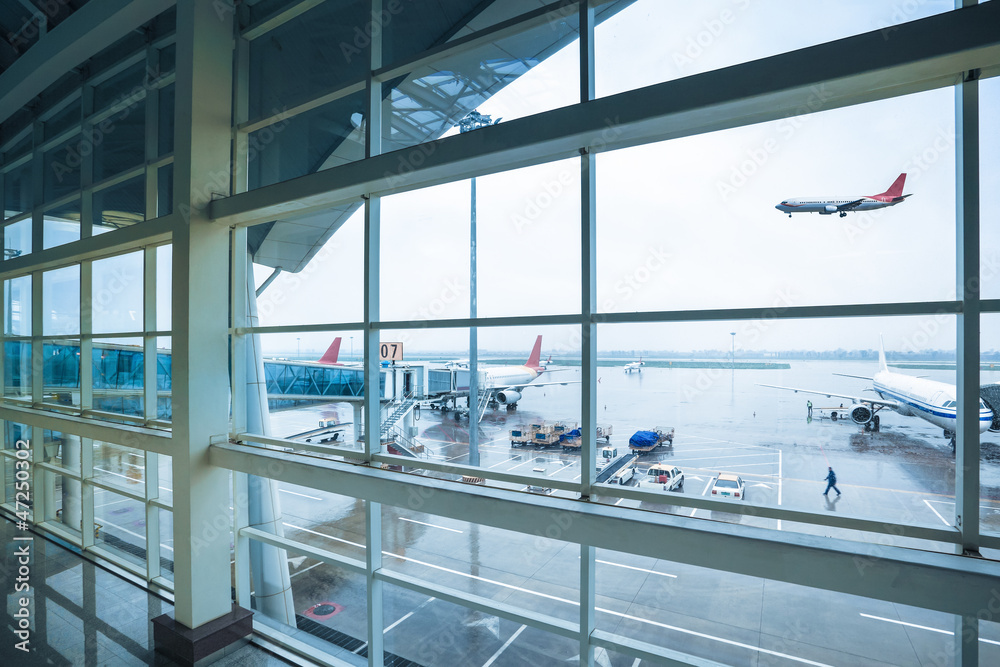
point(826, 206)
point(635, 366)
point(504, 384)
point(911, 396)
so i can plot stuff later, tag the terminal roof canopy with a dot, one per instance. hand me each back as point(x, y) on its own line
point(425, 104)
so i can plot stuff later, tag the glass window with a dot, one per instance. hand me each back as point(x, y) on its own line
point(19, 195)
point(62, 168)
point(122, 87)
point(17, 239)
point(165, 141)
point(168, 58)
point(989, 199)
point(121, 205)
point(165, 190)
point(164, 286)
point(118, 294)
point(17, 368)
point(62, 120)
point(61, 301)
point(119, 142)
point(17, 299)
point(61, 372)
point(164, 380)
point(120, 526)
point(62, 224)
point(118, 373)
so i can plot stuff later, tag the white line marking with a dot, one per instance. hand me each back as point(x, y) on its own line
point(299, 494)
point(295, 574)
point(568, 465)
point(403, 518)
point(504, 647)
point(329, 537)
point(123, 500)
point(707, 487)
point(927, 502)
point(640, 569)
point(924, 627)
point(513, 458)
point(636, 663)
point(616, 505)
point(718, 458)
point(952, 502)
point(424, 604)
point(747, 465)
point(714, 638)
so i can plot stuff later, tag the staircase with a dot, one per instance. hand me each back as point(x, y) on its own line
point(484, 398)
point(406, 445)
point(388, 419)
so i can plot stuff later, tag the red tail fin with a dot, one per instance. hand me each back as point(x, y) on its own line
point(536, 354)
point(331, 353)
point(896, 189)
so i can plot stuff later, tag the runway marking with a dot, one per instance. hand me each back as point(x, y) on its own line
point(717, 458)
point(707, 487)
point(299, 494)
point(640, 569)
point(504, 647)
point(945, 521)
point(422, 605)
point(329, 537)
point(568, 465)
point(513, 458)
point(295, 574)
point(714, 638)
point(403, 518)
point(924, 627)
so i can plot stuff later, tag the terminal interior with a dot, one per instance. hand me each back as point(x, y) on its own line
point(533, 247)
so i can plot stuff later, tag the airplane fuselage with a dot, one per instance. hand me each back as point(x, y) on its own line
point(501, 377)
point(827, 206)
point(930, 400)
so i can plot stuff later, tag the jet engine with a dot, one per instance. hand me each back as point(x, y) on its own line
point(508, 397)
point(861, 414)
point(830, 208)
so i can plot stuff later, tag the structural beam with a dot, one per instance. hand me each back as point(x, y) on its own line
point(917, 56)
point(83, 34)
point(944, 582)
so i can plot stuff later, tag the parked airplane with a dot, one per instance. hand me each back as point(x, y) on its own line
point(332, 353)
point(825, 206)
point(504, 384)
point(911, 396)
point(635, 366)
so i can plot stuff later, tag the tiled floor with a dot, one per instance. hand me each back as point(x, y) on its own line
point(82, 614)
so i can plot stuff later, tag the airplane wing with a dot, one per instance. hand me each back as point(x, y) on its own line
point(851, 205)
point(860, 377)
point(855, 399)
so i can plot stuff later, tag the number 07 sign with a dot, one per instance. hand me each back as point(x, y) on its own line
point(390, 352)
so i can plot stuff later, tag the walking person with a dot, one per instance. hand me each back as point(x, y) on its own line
point(809, 407)
point(831, 482)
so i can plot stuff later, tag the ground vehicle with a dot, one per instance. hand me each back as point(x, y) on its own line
point(729, 485)
point(572, 439)
point(624, 473)
point(644, 442)
point(611, 463)
point(667, 476)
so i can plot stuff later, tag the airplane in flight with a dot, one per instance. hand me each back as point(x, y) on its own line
point(910, 396)
point(505, 384)
point(635, 366)
point(826, 206)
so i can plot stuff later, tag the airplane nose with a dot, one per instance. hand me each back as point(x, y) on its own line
point(778, 206)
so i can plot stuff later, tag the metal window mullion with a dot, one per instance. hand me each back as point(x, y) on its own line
point(37, 326)
point(151, 133)
point(86, 338)
point(152, 476)
point(373, 563)
point(241, 544)
point(38, 189)
point(87, 166)
point(238, 318)
point(149, 365)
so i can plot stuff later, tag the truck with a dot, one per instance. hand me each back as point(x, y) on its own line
point(573, 439)
point(614, 467)
point(643, 442)
point(665, 475)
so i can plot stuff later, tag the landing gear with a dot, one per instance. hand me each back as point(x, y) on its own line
point(833, 416)
point(843, 214)
point(951, 436)
point(875, 424)
point(512, 407)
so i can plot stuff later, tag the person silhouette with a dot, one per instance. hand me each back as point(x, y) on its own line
point(831, 482)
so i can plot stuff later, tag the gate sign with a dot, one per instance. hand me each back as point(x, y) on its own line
point(390, 352)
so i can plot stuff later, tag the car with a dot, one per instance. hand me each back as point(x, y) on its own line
point(670, 477)
point(730, 486)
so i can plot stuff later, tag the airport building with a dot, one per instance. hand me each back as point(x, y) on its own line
point(200, 197)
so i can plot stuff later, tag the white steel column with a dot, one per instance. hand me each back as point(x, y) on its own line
point(373, 444)
point(967, 449)
point(200, 307)
point(588, 351)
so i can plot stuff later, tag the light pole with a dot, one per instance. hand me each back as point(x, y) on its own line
point(298, 348)
point(733, 360)
point(352, 347)
point(473, 121)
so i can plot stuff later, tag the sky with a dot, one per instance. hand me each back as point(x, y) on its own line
point(688, 223)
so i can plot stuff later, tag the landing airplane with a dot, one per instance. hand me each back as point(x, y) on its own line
point(504, 384)
point(635, 366)
point(894, 195)
point(910, 396)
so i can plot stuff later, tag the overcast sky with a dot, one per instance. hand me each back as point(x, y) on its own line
point(688, 223)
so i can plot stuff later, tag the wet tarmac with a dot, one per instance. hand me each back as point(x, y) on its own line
point(724, 423)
